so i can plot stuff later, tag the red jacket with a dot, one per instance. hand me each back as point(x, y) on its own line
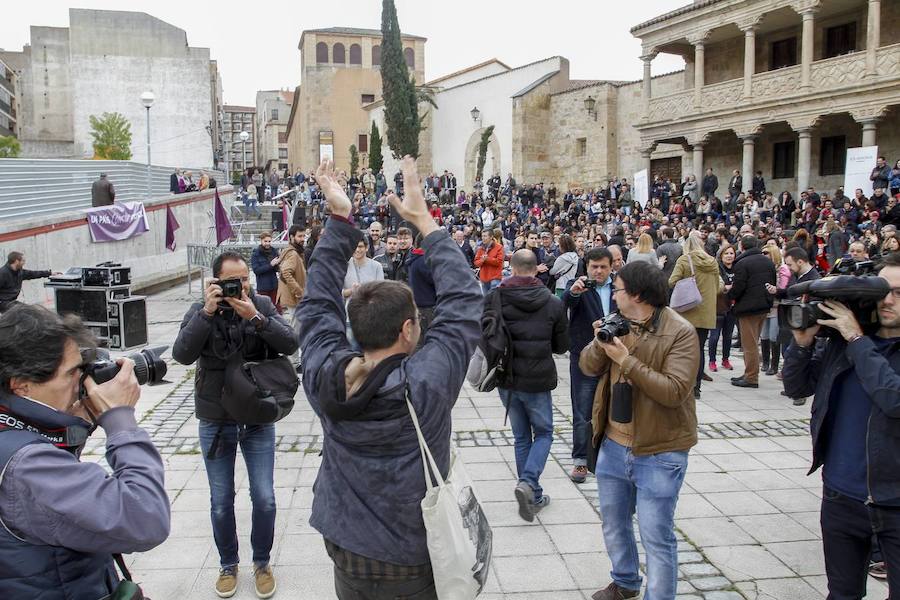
point(490, 262)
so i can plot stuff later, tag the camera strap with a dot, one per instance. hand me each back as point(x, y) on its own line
point(69, 437)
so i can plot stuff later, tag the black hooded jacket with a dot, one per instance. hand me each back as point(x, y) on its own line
point(539, 328)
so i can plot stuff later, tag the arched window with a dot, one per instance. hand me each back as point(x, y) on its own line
point(376, 55)
point(338, 54)
point(410, 55)
point(355, 54)
point(322, 52)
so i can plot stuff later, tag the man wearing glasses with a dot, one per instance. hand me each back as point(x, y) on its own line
point(644, 422)
point(855, 376)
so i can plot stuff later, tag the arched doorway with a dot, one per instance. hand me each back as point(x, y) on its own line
point(491, 163)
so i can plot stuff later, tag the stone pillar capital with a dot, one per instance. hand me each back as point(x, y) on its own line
point(749, 139)
point(868, 114)
point(648, 57)
point(698, 39)
point(803, 124)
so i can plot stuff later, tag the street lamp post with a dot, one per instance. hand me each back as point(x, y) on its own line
point(244, 137)
point(147, 99)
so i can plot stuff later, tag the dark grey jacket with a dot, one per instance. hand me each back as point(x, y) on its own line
point(11, 282)
point(671, 249)
point(102, 192)
point(371, 480)
point(211, 341)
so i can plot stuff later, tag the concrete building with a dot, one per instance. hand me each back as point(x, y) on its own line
point(339, 68)
point(102, 63)
point(217, 128)
point(780, 86)
point(8, 100)
point(239, 155)
point(273, 108)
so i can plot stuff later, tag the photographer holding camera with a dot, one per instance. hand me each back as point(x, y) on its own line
point(233, 325)
point(61, 520)
point(645, 422)
point(855, 376)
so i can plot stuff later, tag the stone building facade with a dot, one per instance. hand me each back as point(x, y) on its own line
point(8, 100)
point(778, 86)
point(273, 108)
point(340, 73)
point(239, 155)
point(103, 62)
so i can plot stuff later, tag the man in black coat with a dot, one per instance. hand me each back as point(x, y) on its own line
point(12, 274)
point(537, 324)
point(735, 185)
point(752, 302)
point(588, 299)
point(102, 192)
point(710, 184)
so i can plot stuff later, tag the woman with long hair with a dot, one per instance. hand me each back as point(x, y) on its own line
point(566, 266)
point(314, 233)
point(695, 262)
point(769, 346)
point(805, 241)
point(891, 244)
point(725, 319)
point(643, 251)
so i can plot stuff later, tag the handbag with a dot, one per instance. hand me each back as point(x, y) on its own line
point(126, 589)
point(459, 538)
point(259, 392)
point(686, 294)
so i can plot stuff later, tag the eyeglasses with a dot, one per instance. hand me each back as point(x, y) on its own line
point(895, 292)
point(615, 289)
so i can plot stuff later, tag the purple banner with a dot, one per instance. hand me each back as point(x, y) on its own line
point(119, 221)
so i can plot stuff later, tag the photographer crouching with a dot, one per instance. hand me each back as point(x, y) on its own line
point(855, 376)
point(63, 520)
point(231, 330)
point(645, 421)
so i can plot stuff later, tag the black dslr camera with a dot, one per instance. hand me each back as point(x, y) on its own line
point(614, 325)
point(149, 368)
point(850, 282)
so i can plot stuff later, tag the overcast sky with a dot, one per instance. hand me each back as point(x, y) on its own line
point(256, 44)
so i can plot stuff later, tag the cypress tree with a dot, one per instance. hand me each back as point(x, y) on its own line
point(482, 151)
point(375, 157)
point(401, 114)
point(354, 159)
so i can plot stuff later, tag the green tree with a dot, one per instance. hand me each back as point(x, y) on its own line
point(9, 147)
point(401, 98)
point(354, 159)
point(376, 160)
point(112, 137)
point(482, 151)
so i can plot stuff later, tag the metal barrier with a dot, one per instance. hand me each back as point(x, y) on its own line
point(34, 187)
point(202, 255)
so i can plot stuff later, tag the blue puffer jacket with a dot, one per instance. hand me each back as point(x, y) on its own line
point(266, 274)
point(808, 371)
point(371, 480)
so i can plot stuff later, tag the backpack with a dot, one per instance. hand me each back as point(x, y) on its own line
point(489, 367)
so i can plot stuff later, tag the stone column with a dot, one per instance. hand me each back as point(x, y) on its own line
point(698, 162)
point(869, 131)
point(804, 158)
point(647, 89)
point(749, 59)
point(699, 75)
point(645, 162)
point(747, 166)
point(873, 37)
point(806, 56)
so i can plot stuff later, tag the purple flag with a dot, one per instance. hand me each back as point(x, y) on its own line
point(171, 226)
point(223, 225)
point(118, 221)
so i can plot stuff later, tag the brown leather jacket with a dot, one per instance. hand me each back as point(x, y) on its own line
point(662, 370)
point(292, 280)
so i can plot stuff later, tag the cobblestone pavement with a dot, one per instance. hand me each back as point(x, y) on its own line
point(746, 521)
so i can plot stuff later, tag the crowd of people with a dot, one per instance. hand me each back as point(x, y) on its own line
point(379, 303)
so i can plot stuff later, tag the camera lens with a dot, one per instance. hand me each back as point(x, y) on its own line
point(148, 366)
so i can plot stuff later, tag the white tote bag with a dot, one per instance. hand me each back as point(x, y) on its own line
point(459, 536)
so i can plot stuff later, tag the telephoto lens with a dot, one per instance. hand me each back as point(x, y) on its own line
point(149, 368)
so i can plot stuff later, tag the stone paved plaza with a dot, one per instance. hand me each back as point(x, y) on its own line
point(747, 520)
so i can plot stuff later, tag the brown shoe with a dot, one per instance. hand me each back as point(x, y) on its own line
point(614, 592)
point(579, 474)
point(265, 582)
point(226, 584)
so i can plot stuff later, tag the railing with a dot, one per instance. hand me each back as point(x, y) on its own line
point(34, 187)
point(828, 74)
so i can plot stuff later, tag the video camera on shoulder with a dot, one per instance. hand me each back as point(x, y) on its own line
point(850, 282)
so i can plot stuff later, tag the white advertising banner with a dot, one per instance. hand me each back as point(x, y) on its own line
point(860, 162)
point(641, 192)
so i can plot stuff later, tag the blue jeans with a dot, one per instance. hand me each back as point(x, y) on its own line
point(650, 485)
point(581, 389)
point(531, 418)
point(724, 328)
point(258, 447)
point(487, 286)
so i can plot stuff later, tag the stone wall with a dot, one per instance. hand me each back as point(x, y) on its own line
point(890, 22)
point(572, 127)
point(724, 60)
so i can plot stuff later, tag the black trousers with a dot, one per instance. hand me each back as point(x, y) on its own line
point(847, 528)
point(353, 588)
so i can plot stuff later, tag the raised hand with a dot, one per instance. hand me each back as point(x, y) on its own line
point(335, 195)
point(412, 206)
